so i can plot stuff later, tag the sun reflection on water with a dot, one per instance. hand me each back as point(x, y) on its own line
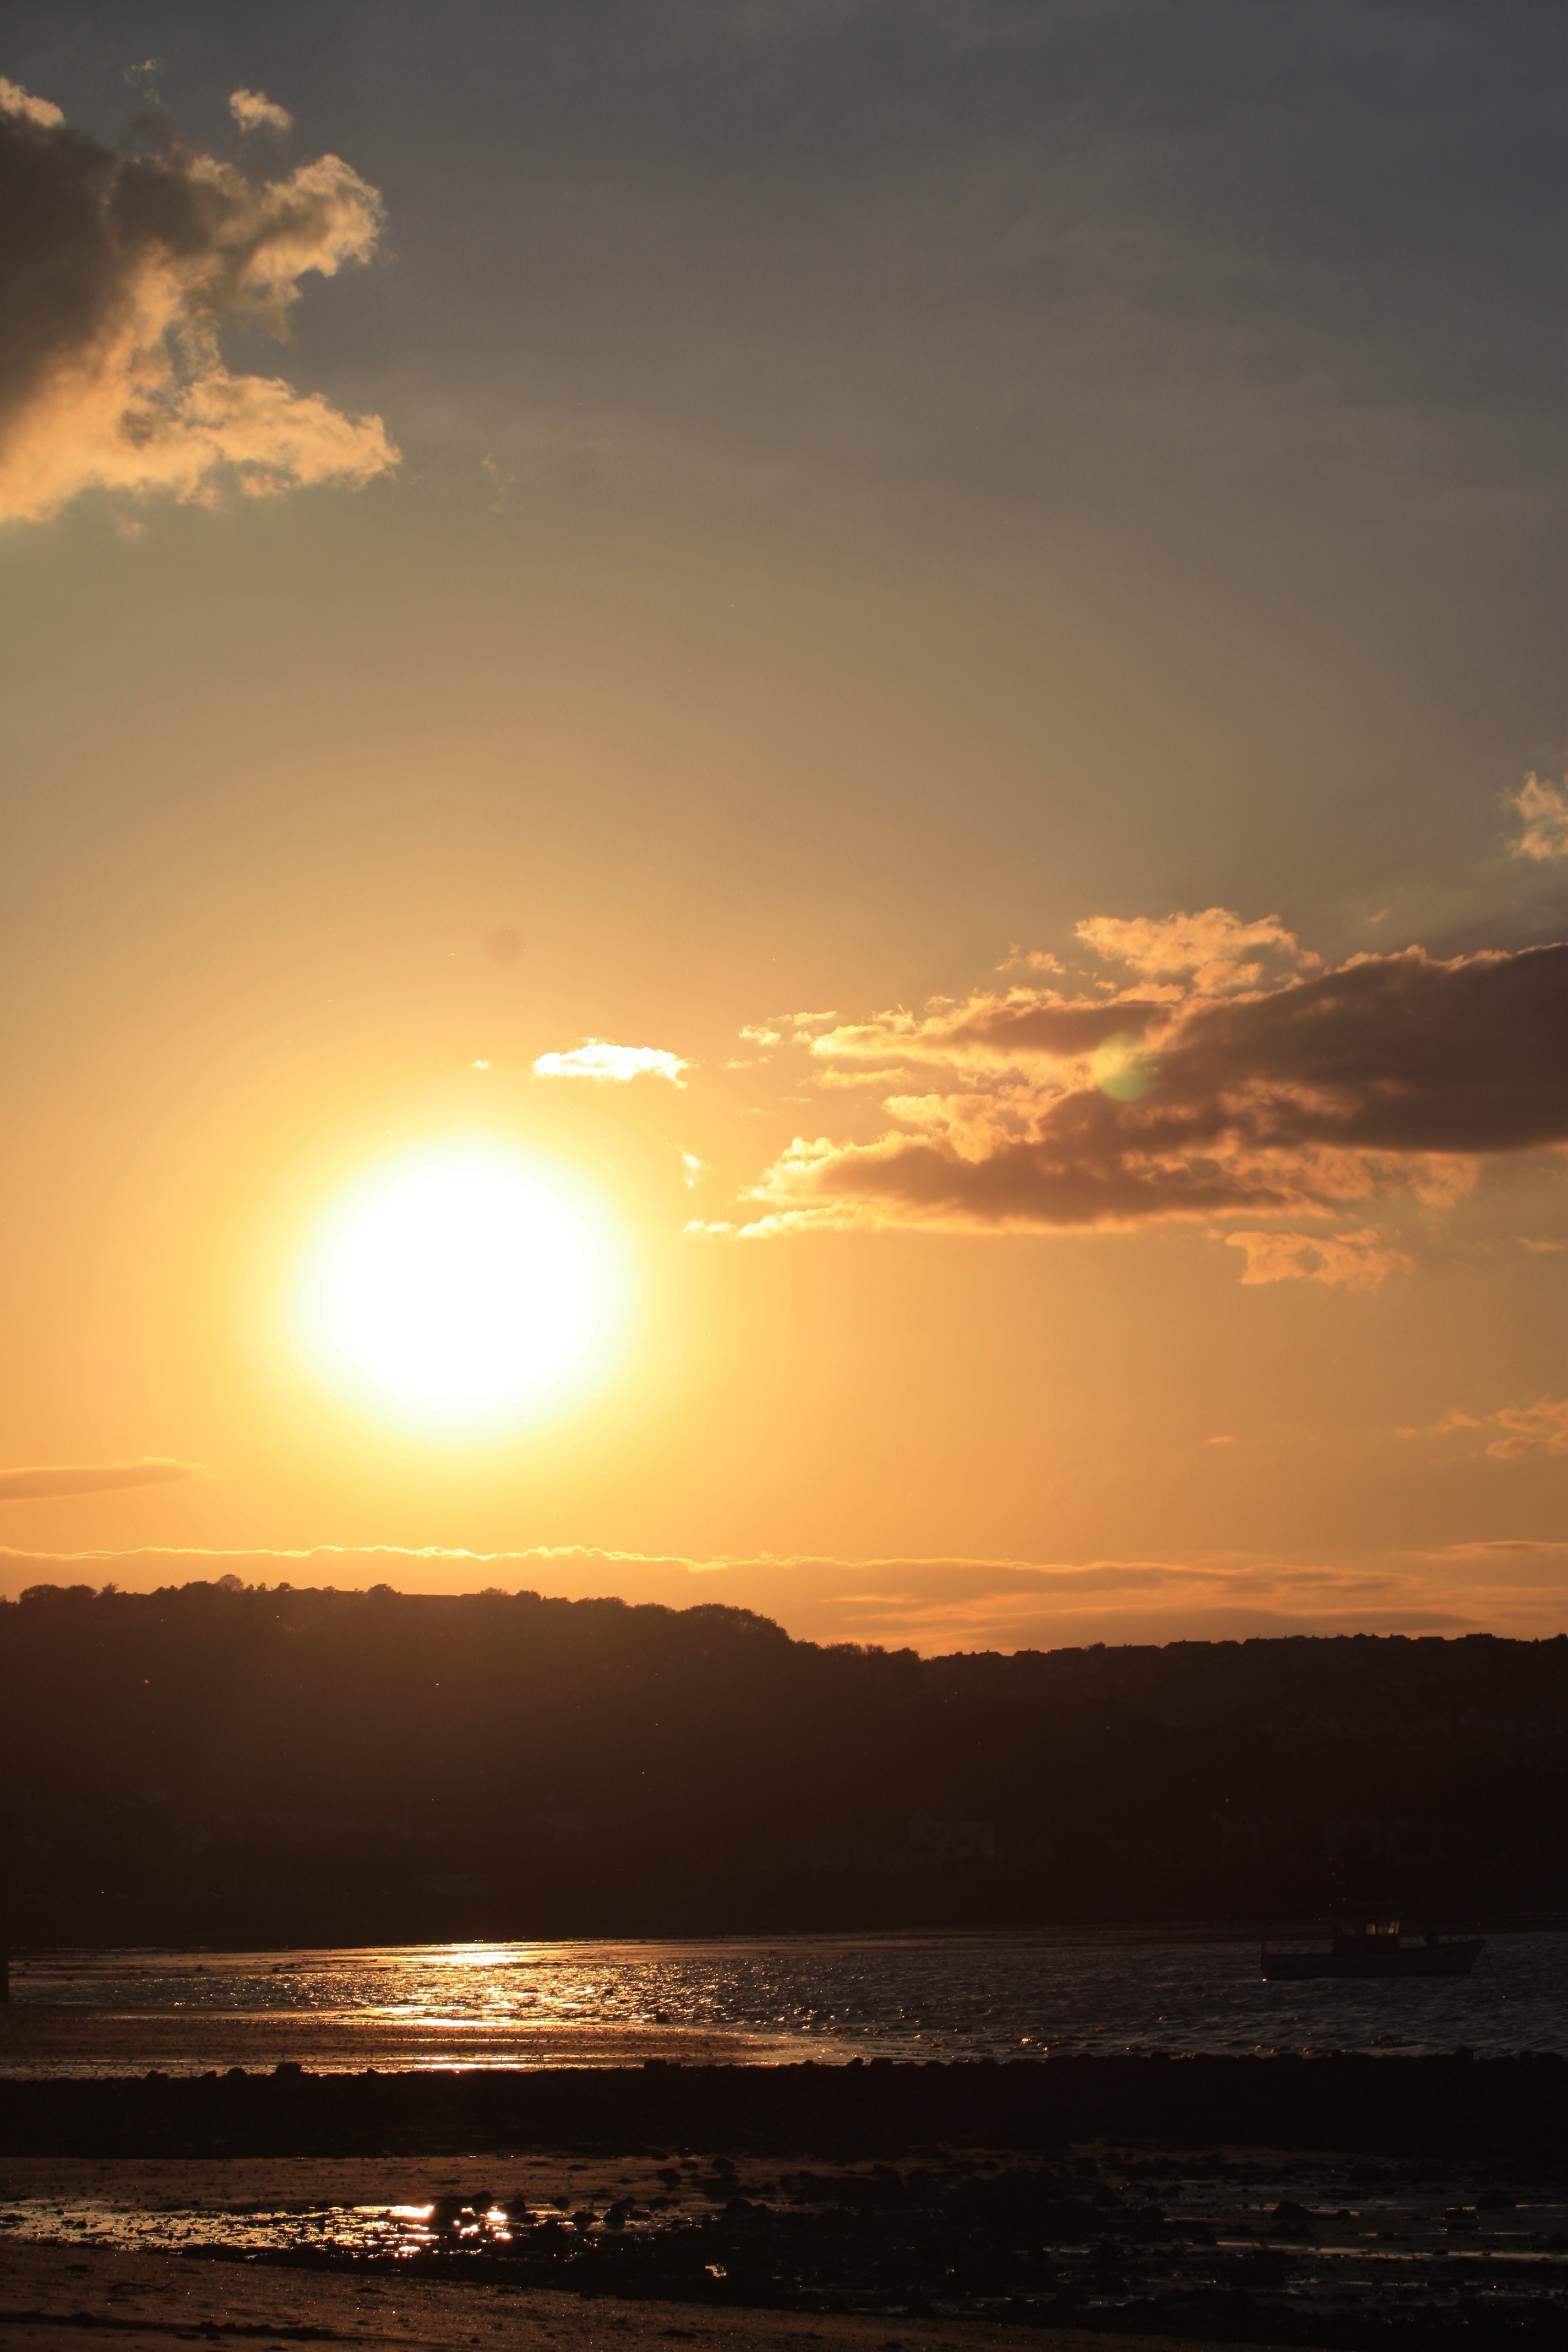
point(496, 2004)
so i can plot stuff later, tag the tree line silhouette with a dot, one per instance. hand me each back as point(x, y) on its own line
point(217, 1763)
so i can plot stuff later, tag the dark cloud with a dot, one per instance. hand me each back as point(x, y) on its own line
point(89, 1479)
point(1320, 1091)
point(116, 272)
point(1393, 1053)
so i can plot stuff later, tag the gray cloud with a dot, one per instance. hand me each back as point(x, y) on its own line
point(117, 272)
point(90, 1478)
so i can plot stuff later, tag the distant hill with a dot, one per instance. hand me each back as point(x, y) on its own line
point(217, 1764)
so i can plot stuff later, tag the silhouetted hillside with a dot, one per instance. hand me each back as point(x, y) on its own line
point(217, 1764)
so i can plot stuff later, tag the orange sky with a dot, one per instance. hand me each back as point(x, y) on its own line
point(1006, 633)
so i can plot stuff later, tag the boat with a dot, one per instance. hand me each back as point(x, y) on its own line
point(1373, 1948)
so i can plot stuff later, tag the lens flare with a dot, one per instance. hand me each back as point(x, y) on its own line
point(1122, 1067)
point(463, 1286)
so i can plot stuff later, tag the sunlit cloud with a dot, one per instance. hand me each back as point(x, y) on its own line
point(90, 1478)
point(845, 1080)
point(1543, 810)
point(116, 274)
point(609, 1065)
point(1299, 1093)
point(23, 107)
point(1215, 948)
point(1355, 1261)
point(253, 111)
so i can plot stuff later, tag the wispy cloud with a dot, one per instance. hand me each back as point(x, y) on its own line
point(1539, 1428)
point(1543, 810)
point(90, 1478)
point(1355, 1261)
point(609, 1065)
point(933, 1604)
point(1444, 1428)
point(117, 273)
point(1205, 1087)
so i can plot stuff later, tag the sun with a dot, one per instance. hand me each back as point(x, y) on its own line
point(463, 1286)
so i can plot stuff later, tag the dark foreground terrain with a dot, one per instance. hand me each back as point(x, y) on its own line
point(1333, 2202)
point(54, 2302)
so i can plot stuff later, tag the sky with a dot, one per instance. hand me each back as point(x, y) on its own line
point(905, 658)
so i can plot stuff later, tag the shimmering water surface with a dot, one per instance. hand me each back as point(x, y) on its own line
point(773, 2001)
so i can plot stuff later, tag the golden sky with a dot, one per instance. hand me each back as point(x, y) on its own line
point(909, 661)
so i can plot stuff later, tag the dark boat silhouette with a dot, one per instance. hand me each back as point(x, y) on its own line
point(1372, 1947)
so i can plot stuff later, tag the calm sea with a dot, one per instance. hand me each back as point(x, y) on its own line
point(772, 2001)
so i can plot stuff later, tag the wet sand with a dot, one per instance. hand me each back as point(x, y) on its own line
point(53, 2300)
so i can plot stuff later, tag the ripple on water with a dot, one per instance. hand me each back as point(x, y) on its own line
point(919, 1996)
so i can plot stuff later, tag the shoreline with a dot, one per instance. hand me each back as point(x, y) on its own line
point(1254, 1926)
point(1346, 2102)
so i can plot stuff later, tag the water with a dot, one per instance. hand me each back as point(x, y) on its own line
point(762, 2000)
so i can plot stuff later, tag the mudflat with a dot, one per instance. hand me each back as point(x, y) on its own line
point(1347, 2203)
point(53, 2298)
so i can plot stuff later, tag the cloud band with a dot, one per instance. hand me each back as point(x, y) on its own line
point(89, 1479)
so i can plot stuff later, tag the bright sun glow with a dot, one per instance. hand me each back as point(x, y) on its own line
point(463, 1286)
